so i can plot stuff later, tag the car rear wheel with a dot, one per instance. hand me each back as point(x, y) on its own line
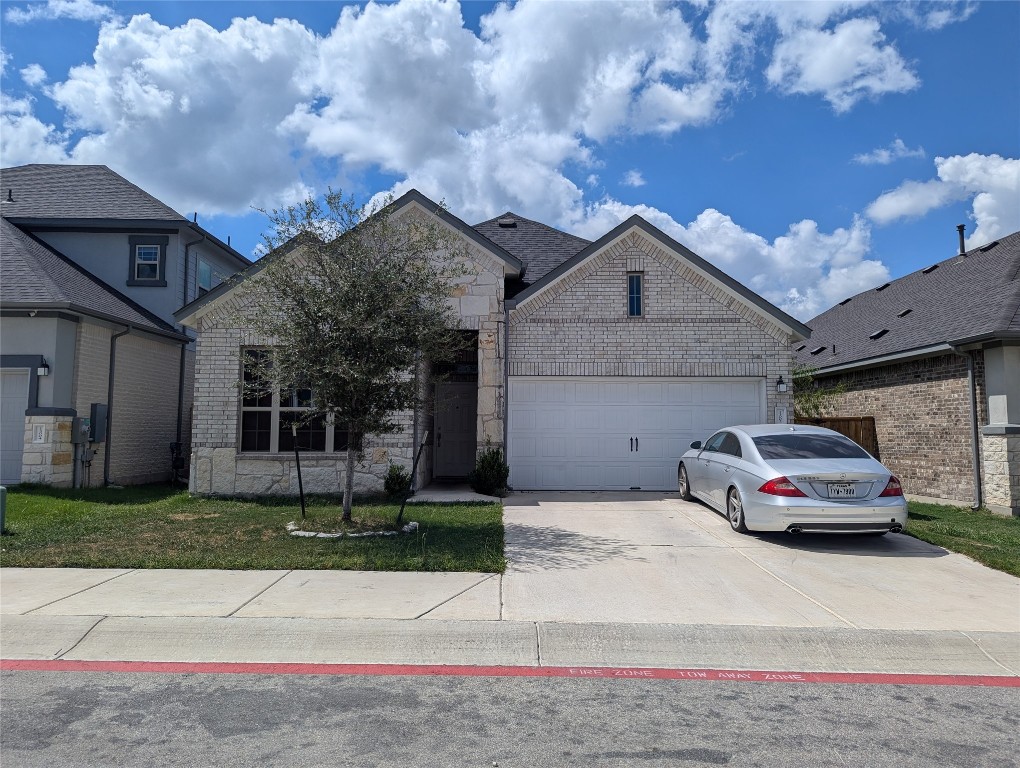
point(735, 511)
point(683, 484)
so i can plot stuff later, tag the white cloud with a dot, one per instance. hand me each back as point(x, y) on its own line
point(26, 139)
point(933, 16)
point(885, 155)
point(79, 10)
point(33, 75)
point(592, 180)
point(633, 178)
point(844, 65)
point(990, 182)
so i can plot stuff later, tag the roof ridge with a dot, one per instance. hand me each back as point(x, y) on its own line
point(495, 219)
point(149, 196)
point(102, 284)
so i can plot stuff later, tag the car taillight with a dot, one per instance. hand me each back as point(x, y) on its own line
point(892, 488)
point(780, 486)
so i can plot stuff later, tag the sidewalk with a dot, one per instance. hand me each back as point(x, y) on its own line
point(420, 618)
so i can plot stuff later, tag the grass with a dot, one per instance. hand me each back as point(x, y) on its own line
point(991, 539)
point(157, 527)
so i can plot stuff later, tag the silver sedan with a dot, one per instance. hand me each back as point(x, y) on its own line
point(794, 478)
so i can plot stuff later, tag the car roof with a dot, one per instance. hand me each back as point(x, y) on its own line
point(759, 430)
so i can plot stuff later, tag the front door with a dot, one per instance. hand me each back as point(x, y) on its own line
point(456, 417)
point(13, 402)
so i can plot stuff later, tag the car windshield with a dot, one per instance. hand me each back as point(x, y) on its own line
point(804, 446)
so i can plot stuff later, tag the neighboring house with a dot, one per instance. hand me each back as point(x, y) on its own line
point(935, 357)
point(92, 270)
point(594, 364)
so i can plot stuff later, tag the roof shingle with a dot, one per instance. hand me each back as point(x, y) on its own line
point(538, 245)
point(963, 297)
point(76, 192)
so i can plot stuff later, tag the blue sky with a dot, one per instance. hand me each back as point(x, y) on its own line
point(811, 150)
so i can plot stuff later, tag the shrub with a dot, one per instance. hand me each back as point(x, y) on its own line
point(397, 481)
point(491, 473)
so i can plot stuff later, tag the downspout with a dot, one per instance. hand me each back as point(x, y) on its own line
point(974, 445)
point(109, 403)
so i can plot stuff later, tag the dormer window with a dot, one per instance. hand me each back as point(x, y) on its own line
point(147, 265)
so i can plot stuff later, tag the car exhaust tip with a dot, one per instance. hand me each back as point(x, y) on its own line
point(794, 529)
point(896, 528)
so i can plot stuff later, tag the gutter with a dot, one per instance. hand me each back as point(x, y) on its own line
point(974, 445)
point(109, 404)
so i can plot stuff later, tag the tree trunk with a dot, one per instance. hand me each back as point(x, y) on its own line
point(349, 477)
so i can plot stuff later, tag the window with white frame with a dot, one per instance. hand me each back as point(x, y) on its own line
point(147, 260)
point(635, 294)
point(268, 417)
point(206, 279)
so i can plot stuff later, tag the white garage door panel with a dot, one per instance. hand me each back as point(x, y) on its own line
point(617, 434)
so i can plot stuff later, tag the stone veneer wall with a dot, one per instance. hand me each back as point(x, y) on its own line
point(1001, 481)
point(690, 327)
point(219, 468)
point(51, 461)
point(922, 417)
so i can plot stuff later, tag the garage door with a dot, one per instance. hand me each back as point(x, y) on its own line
point(13, 402)
point(617, 433)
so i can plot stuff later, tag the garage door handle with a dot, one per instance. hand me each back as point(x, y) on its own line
point(632, 444)
point(637, 444)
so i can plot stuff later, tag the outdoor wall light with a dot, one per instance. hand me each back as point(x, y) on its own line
point(43, 369)
point(780, 385)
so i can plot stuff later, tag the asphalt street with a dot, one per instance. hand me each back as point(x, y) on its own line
point(126, 719)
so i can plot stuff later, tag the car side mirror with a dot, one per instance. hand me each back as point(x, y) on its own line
point(696, 445)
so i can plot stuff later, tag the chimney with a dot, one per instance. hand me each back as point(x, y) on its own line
point(963, 246)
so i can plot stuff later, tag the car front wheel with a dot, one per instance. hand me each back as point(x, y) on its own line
point(684, 484)
point(735, 511)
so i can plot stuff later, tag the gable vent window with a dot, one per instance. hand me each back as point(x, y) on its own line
point(904, 313)
point(881, 287)
point(927, 270)
point(635, 294)
point(878, 334)
point(817, 350)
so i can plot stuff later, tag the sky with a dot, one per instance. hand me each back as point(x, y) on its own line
point(811, 150)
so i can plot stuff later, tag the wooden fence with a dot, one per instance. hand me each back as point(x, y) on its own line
point(860, 429)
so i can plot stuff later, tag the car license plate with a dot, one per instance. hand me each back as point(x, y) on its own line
point(841, 490)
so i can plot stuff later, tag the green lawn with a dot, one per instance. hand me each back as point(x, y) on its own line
point(988, 538)
point(156, 527)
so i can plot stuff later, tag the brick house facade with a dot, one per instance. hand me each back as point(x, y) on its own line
point(558, 352)
point(934, 357)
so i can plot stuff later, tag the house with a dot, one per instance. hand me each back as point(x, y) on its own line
point(934, 357)
point(594, 363)
point(96, 375)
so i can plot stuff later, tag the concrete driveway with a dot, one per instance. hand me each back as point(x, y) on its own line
point(654, 558)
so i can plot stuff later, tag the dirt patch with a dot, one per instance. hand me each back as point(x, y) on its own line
point(185, 516)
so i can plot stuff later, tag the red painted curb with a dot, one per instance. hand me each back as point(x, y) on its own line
point(620, 673)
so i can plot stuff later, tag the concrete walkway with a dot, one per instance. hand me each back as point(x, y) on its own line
point(594, 579)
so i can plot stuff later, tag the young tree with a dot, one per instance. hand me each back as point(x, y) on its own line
point(350, 302)
point(810, 399)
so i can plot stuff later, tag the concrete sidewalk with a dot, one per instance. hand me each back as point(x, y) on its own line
point(420, 618)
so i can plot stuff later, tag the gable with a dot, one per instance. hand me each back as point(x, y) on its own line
point(636, 240)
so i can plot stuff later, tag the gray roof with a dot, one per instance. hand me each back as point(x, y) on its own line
point(538, 245)
point(77, 192)
point(33, 275)
point(967, 297)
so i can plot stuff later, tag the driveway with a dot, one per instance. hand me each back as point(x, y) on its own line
point(654, 558)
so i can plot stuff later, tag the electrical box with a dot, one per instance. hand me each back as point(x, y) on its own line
point(80, 429)
point(99, 416)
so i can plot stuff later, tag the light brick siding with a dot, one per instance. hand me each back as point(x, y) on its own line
point(91, 376)
point(690, 326)
point(143, 418)
point(922, 418)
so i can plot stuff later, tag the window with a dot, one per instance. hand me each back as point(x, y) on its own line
point(267, 417)
point(805, 446)
point(730, 445)
point(147, 260)
point(206, 280)
point(634, 294)
point(714, 442)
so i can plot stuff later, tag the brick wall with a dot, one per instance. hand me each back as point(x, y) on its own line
point(144, 410)
point(91, 376)
point(922, 417)
point(690, 326)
